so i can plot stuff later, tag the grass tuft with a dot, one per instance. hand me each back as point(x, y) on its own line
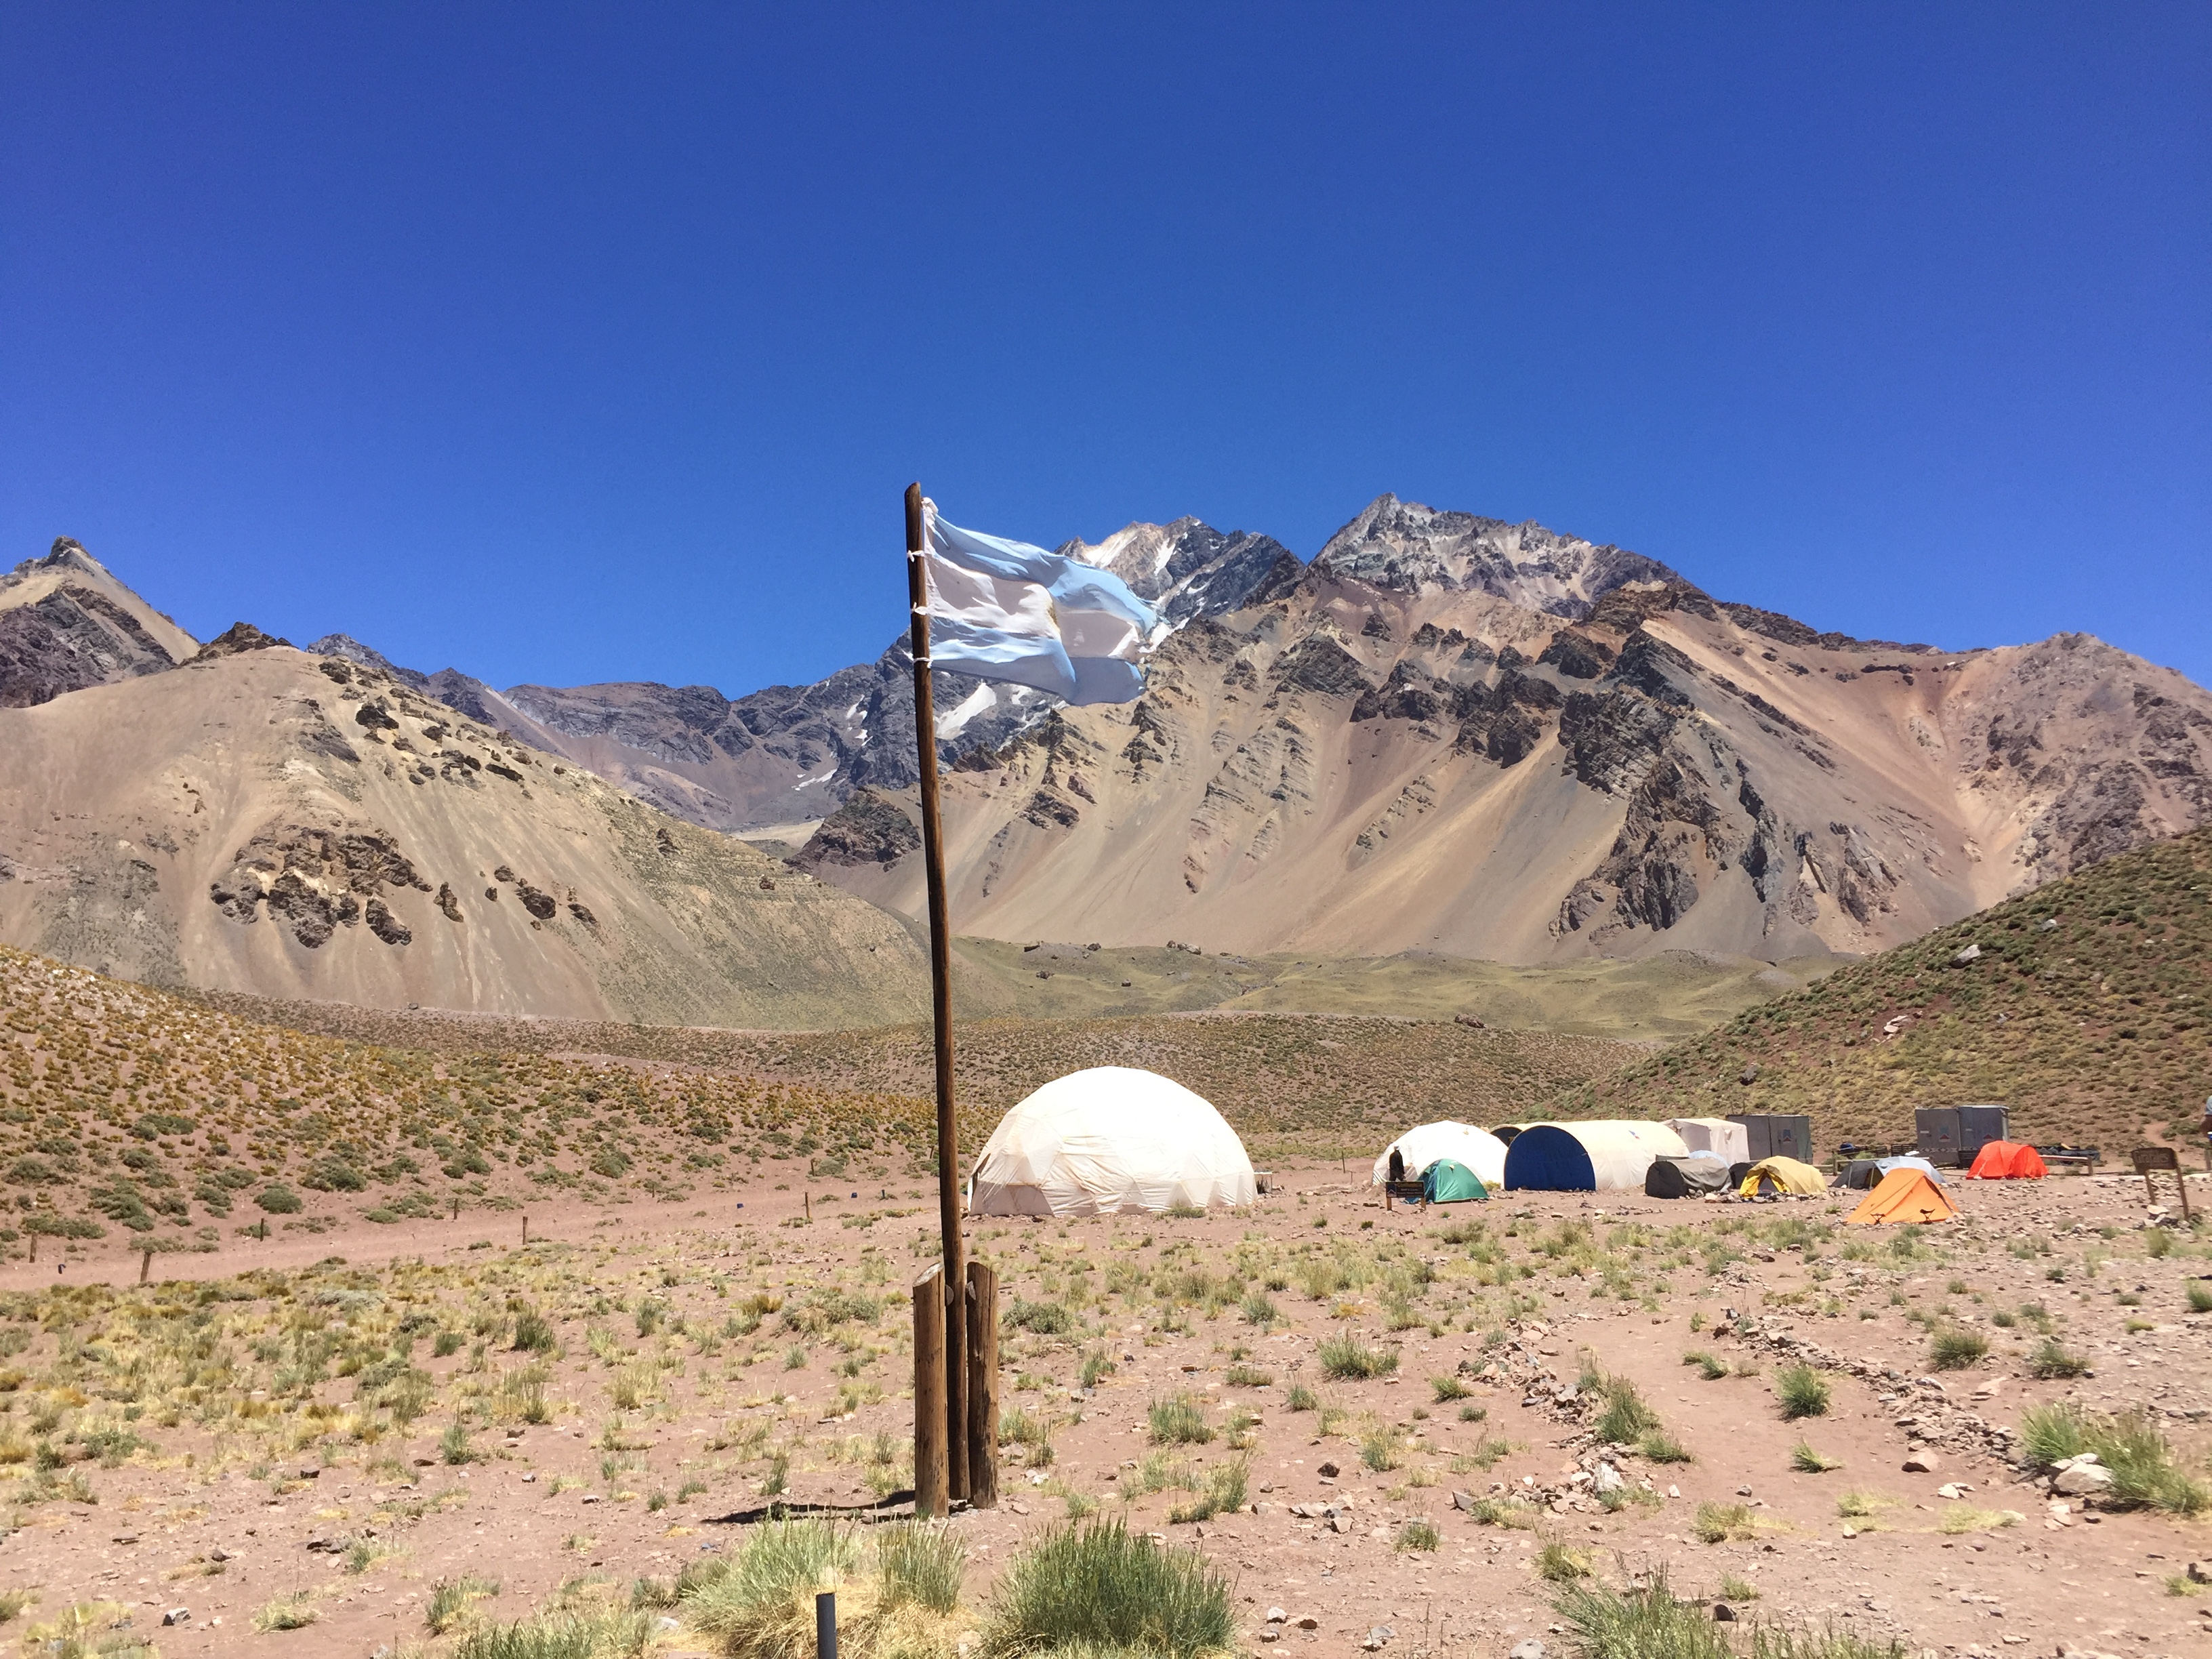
point(1096, 1586)
point(1954, 1350)
point(1803, 1391)
point(1346, 1358)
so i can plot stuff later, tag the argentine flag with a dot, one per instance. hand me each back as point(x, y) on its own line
point(1005, 611)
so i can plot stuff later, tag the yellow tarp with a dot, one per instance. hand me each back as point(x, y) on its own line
point(1783, 1175)
point(1904, 1197)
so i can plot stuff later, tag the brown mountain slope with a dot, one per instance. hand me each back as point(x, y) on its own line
point(271, 821)
point(2085, 1006)
point(1356, 769)
point(65, 623)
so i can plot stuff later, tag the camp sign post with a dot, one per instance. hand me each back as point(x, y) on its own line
point(1013, 613)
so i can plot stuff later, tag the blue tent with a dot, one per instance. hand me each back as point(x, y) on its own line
point(1547, 1158)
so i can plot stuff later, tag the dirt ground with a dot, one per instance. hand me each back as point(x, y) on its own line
point(220, 1443)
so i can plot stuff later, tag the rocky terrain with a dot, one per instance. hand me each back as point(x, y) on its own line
point(1391, 1431)
point(265, 820)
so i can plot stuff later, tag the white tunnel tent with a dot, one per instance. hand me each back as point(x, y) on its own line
point(1719, 1135)
point(1110, 1140)
point(1603, 1155)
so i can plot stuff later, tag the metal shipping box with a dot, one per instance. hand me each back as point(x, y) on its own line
point(1977, 1126)
point(1936, 1129)
point(1777, 1134)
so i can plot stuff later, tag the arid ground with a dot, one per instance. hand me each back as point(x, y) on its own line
point(319, 1430)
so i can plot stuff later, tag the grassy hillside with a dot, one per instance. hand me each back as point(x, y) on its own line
point(1331, 1080)
point(1670, 995)
point(169, 1119)
point(126, 1110)
point(2088, 1012)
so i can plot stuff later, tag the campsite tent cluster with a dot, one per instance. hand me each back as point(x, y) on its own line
point(1114, 1139)
point(1682, 1157)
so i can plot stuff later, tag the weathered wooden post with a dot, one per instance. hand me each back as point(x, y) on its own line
point(982, 1429)
point(931, 1495)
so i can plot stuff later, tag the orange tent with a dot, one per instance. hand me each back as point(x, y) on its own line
point(1904, 1197)
point(2007, 1160)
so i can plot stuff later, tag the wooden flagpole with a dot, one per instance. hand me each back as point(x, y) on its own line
point(954, 1398)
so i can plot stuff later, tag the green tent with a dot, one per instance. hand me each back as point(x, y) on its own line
point(1448, 1182)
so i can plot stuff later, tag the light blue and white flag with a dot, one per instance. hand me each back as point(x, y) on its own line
point(1005, 611)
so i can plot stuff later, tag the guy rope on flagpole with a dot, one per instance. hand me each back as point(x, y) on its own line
point(951, 1430)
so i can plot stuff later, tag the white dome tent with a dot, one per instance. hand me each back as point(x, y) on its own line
point(1480, 1150)
point(1110, 1139)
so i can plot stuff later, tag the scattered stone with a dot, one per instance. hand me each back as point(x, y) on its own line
point(177, 1616)
point(1923, 1461)
point(1723, 1613)
point(1277, 1616)
point(2082, 1480)
point(1530, 1649)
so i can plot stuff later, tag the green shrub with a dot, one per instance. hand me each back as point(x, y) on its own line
point(1380, 1450)
point(1558, 1564)
point(1637, 1624)
point(921, 1563)
point(1178, 1420)
point(2199, 1293)
point(2050, 1361)
point(533, 1332)
point(1096, 1586)
point(1301, 1398)
point(1419, 1536)
point(1257, 1308)
point(1710, 1369)
point(1345, 1358)
point(1954, 1350)
point(1803, 1391)
point(277, 1198)
point(449, 1598)
point(1717, 1523)
point(1625, 1419)
point(1449, 1389)
point(1044, 1318)
point(560, 1636)
point(1224, 1491)
point(2049, 1433)
point(750, 1600)
point(1806, 1461)
point(1661, 1447)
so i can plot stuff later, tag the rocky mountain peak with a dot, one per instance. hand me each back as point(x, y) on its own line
point(238, 637)
point(67, 554)
point(349, 649)
point(1186, 568)
point(1414, 548)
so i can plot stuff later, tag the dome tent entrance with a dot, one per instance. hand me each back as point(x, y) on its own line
point(1600, 1155)
point(1448, 1180)
point(2007, 1160)
point(1107, 1139)
point(1783, 1174)
point(1905, 1197)
point(1480, 1150)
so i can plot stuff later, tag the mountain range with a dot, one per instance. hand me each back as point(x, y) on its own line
point(1443, 733)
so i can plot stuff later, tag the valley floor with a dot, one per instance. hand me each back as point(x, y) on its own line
point(328, 1427)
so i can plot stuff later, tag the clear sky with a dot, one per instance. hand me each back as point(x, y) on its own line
point(581, 342)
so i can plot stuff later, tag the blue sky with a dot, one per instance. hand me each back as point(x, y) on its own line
point(582, 343)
